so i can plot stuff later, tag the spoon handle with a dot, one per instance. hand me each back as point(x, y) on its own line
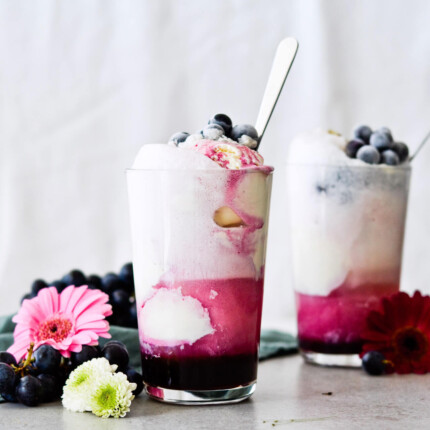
point(420, 147)
point(285, 55)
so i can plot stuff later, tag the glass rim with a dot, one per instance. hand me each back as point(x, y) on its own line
point(402, 167)
point(266, 169)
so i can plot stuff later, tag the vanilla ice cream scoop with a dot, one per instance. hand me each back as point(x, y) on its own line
point(228, 155)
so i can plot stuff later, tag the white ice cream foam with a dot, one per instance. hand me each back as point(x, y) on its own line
point(346, 216)
point(169, 318)
point(248, 141)
point(319, 147)
point(163, 156)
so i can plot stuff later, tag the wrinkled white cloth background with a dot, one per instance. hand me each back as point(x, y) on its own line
point(83, 84)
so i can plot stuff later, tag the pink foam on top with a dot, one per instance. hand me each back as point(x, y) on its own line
point(234, 308)
point(229, 155)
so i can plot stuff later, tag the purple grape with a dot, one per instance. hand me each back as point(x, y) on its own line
point(8, 358)
point(50, 387)
point(134, 376)
point(120, 299)
point(87, 353)
point(111, 282)
point(47, 358)
point(29, 391)
point(8, 379)
point(94, 282)
point(74, 277)
point(116, 354)
point(126, 273)
point(37, 285)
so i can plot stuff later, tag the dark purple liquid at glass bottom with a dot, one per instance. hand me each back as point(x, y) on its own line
point(330, 348)
point(200, 373)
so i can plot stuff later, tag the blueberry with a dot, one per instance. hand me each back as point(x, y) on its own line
point(179, 137)
point(380, 141)
point(390, 158)
point(386, 131)
point(87, 353)
point(47, 358)
point(363, 132)
point(38, 285)
point(353, 146)
point(126, 273)
point(134, 376)
point(29, 391)
point(213, 132)
point(8, 358)
point(402, 151)
point(243, 129)
point(7, 379)
point(59, 285)
point(224, 121)
point(368, 154)
point(373, 363)
point(74, 277)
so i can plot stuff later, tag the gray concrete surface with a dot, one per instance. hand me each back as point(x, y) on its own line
point(289, 395)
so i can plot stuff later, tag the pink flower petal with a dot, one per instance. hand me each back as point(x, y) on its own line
point(85, 309)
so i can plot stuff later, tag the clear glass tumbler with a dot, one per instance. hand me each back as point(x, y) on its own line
point(346, 229)
point(199, 245)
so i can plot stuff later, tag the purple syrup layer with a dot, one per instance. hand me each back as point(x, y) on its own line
point(203, 373)
point(225, 358)
point(333, 324)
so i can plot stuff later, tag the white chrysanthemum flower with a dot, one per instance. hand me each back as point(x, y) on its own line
point(81, 382)
point(112, 396)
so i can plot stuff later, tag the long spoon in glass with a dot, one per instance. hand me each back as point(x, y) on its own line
point(284, 58)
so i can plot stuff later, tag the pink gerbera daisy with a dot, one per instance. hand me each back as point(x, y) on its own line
point(66, 321)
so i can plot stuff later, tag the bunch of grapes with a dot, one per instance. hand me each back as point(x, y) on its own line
point(40, 377)
point(119, 287)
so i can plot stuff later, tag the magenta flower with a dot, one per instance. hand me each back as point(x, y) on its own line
point(66, 321)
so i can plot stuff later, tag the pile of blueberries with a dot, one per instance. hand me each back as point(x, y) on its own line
point(41, 376)
point(376, 147)
point(119, 287)
point(219, 125)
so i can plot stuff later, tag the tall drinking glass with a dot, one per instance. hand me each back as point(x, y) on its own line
point(199, 245)
point(346, 227)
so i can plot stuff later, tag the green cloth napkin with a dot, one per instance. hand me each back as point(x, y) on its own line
point(272, 344)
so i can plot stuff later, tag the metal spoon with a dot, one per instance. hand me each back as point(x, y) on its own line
point(420, 147)
point(284, 57)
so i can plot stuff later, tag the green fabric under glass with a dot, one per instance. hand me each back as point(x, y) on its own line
point(273, 343)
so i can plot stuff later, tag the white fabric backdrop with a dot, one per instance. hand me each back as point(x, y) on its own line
point(83, 84)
